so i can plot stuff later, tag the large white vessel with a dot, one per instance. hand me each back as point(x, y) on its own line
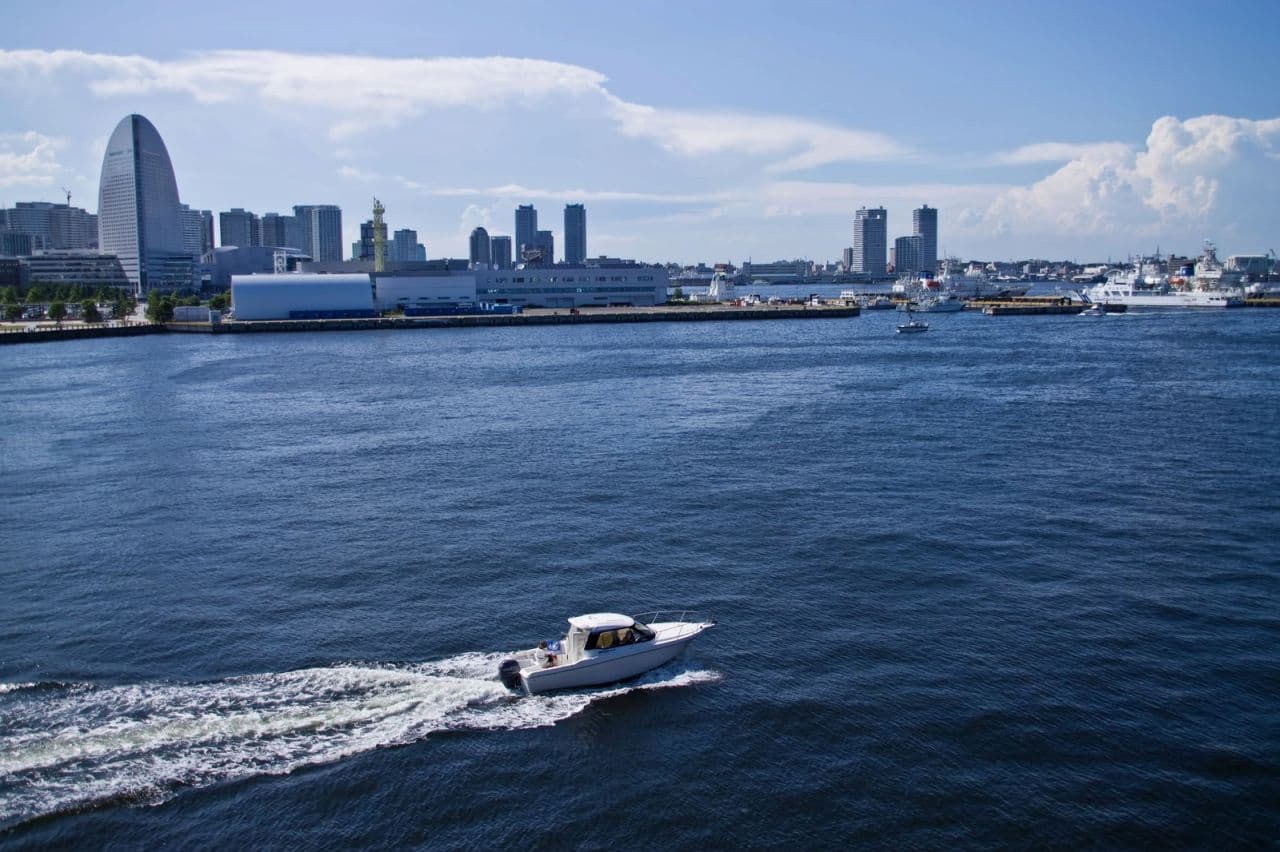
point(1145, 287)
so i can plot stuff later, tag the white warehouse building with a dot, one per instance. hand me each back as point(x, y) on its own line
point(425, 291)
point(297, 295)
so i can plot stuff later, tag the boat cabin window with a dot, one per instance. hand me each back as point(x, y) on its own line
point(602, 640)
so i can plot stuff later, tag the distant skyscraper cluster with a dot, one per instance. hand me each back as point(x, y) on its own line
point(315, 230)
point(911, 255)
point(43, 226)
point(532, 245)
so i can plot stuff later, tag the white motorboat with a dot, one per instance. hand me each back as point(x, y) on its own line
point(943, 303)
point(912, 326)
point(1094, 310)
point(604, 647)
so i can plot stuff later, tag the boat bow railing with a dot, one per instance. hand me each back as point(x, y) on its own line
point(691, 619)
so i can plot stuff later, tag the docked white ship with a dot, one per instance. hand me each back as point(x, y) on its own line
point(1145, 286)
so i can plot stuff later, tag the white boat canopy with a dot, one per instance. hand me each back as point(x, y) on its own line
point(601, 620)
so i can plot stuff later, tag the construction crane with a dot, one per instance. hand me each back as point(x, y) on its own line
point(68, 192)
point(379, 237)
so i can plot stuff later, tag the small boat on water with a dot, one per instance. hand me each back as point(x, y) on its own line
point(604, 647)
point(912, 326)
point(1094, 310)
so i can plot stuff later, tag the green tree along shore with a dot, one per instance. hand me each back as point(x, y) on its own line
point(159, 305)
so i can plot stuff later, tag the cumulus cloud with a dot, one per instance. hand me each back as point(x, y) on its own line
point(28, 158)
point(1204, 172)
point(364, 92)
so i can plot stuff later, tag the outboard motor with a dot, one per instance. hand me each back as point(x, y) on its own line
point(509, 674)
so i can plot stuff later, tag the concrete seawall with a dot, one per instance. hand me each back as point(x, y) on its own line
point(539, 316)
point(80, 332)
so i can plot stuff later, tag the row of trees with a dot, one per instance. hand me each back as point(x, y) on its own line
point(38, 293)
point(89, 311)
point(159, 305)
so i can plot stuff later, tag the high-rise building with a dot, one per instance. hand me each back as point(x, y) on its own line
point(193, 230)
point(846, 259)
point(52, 226)
point(239, 227)
point(500, 251)
point(526, 228)
point(276, 230)
point(545, 243)
point(924, 224)
point(481, 251)
point(206, 232)
point(404, 245)
point(321, 230)
point(870, 240)
point(906, 256)
point(139, 218)
point(364, 250)
point(575, 234)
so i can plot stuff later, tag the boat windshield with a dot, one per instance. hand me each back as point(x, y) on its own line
point(602, 640)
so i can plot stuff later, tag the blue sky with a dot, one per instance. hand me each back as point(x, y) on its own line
point(691, 131)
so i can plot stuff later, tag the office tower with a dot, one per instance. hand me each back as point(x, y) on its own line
point(500, 252)
point(320, 230)
point(847, 259)
point(206, 232)
point(275, 230)
point(52, 226)
point(870, 240)
point(320, 227)
point(404, 245)
point(924, 224)
point(906, 256)
point(526, 228)
point(481, 252)
point(138, 208)
point(193, 224)
point(239, 227)
point(575, 234)
point(546, 244)
point(363, 248)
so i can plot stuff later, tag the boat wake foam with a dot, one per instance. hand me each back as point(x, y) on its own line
point(69, 747)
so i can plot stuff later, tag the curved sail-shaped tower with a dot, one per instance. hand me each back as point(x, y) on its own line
point(139, 217)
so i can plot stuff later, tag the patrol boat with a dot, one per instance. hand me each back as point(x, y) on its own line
point(604, 647)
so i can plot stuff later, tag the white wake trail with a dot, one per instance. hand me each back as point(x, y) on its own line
point(73, 746)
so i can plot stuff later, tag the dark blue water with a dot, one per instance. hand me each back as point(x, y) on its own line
point(1012, 582)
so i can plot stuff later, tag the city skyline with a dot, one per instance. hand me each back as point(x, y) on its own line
point(697, 163)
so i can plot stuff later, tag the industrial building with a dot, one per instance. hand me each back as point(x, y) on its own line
point(573, 287)
point(423, 292)
point(302, 296)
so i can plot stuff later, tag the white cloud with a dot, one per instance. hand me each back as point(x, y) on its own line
point(28, 158)
point(805, 143)
point(362, 93)
point(513, 191)
point(1212, 171)
point(1057, 152)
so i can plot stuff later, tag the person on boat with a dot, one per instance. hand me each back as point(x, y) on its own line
point(551, 650)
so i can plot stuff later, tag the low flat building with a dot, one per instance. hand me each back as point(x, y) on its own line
point(573, 287)
point(88, 269)
point(424, 291)
point(302, 296)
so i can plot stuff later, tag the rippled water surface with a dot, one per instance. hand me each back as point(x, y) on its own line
point(1012, 582)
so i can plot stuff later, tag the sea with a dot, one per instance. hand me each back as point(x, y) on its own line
point(1011, 583)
